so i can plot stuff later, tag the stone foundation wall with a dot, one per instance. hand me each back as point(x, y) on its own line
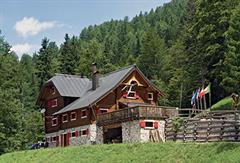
point(85, 139)
point(51, 144)
point(99, 135)
point(132, 132)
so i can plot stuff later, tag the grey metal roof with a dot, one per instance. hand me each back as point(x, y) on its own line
point(106, 83)
point(70, 85)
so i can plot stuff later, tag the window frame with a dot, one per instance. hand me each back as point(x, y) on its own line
point(73, 119)
point(151, 121)
point(64, 115)
point(56, 103)
point(84, 110)
point(103, 109)
point(53, 141)
point(84, 130)
point(56, 121)
point(150, 99)
point(74, 133)
point(53, 90)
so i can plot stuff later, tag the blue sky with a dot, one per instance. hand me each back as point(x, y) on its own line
point(24, 23)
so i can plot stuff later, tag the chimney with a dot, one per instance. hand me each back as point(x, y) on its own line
point(95, 78)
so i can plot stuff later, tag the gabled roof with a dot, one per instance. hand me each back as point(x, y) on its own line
point(107, 83)
point(67, 85)
point(71, 85)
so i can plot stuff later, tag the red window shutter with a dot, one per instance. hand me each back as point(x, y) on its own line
point(69, 134)
point(137, 95)
point(125, 94)
point(146, 96)
point(76, 132)
point(98, 111)
point(49, 104)
point(156, 125)
point(142, 124)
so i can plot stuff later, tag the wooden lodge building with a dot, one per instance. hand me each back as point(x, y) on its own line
point(117, 107)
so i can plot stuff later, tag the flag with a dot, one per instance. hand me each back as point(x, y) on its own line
point(202, 92)
point(197, 95)
point(193, 98)
point(207, 89)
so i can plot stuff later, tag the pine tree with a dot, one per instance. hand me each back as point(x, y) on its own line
point(44, 63)
point(69, 55)
point(152, 54)
point(231, 64)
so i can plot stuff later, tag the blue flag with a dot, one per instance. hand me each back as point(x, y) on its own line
point(193, 98)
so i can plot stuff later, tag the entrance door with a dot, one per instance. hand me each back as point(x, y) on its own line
point(65, 140)
point(113, 135)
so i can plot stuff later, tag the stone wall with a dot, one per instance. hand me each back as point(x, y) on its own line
point(51, 144)
point(84, 139)
point(132, 132)
point(99, 135)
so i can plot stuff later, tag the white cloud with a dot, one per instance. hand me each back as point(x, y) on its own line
point(20, 49)
point(30, 26)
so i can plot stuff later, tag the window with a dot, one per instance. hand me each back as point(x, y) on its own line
point(73, 116)
point(149, 124)
point(64, 118)
point(150, 96)
point(84, 132)
point(74, 134)
point(52, 103)
point(54, 139)
point(103, 110)
point(54, 122)
point(84, 113)
point(52, 90)
point(131, 91)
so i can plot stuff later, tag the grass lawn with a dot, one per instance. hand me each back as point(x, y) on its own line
point(139, 152)
point(224, 104)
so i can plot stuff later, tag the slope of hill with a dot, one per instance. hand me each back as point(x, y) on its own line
point(145, 152)
point(224, 104)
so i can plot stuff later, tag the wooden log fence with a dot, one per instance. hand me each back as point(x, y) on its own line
point(207, 130)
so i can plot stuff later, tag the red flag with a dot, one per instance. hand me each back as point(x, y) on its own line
point(202, 92)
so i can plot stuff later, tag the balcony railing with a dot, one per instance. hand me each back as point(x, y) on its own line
point(136, 113)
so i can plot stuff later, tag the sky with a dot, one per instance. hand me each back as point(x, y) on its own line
point(24, 23)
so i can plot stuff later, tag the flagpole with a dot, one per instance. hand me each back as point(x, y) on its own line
point(210, 99)
point(204, 101)
point(200, 103)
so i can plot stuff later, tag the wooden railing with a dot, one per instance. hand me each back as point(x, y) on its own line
point(135, 113)
point(188, 112)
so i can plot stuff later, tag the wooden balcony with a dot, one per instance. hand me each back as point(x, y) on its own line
point(136, 113)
